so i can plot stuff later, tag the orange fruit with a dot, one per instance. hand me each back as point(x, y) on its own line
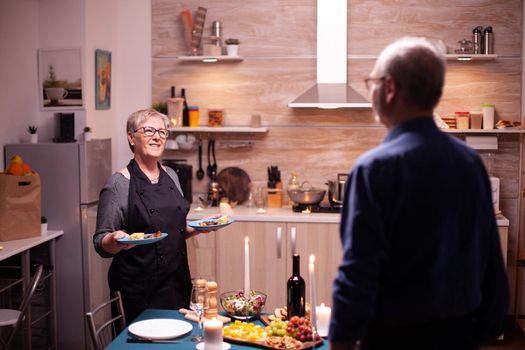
point(16, 159)
point(16, 169)
point(26, 168)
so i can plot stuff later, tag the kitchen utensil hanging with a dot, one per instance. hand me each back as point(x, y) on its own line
point(209, 169)
point(214, 165)
point(200, 171)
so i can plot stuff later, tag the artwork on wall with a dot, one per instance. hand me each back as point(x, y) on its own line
point(60, 79)
point(102, 79)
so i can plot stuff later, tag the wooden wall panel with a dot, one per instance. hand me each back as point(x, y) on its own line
point(278, 44)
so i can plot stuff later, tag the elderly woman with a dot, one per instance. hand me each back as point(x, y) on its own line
point(145, 197)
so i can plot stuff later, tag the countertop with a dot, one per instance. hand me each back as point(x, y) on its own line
point(10, 248)
point(284, 214)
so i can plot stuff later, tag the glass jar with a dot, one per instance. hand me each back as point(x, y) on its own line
point(462, 120)
point(215, 117)
point(193, 116)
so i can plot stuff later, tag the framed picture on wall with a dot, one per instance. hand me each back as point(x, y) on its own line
point(60, 78)
point(102, 79)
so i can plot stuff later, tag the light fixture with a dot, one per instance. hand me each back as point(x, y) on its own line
point(209, 59)
point(464, 58)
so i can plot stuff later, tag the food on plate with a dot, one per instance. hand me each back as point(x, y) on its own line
point(212, 222)
point(136, 236)
point(300, 329)
point(245, 331)
point(284, 342)
point(502, 124)
point(140, 235)
point(235, 304)
point(281, 313)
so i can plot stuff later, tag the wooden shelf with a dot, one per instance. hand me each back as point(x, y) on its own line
point(221, 129)
point(210, 59)
point(485, 131)
point(470, 57)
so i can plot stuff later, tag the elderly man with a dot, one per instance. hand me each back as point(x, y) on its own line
point(422, 265)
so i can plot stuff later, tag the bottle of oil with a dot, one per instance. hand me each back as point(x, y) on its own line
point(185, 109)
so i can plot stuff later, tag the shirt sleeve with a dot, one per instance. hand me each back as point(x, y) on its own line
point(112, 211)
point(365, 248)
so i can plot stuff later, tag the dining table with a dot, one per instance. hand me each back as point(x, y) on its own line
point(183, 342)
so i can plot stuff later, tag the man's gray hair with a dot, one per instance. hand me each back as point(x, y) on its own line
point(418, 68)
point(139, 117)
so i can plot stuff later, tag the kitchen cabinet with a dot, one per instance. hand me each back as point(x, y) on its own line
point(271, 257)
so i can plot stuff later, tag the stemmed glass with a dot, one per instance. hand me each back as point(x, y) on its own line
point(197, 304)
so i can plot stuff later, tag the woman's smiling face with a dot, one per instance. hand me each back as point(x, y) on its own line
point(149, 146)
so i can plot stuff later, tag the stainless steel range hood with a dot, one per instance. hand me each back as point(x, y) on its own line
point(331, 90)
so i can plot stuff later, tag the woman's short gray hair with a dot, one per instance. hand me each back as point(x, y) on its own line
point(139, 117)
point(418, 67)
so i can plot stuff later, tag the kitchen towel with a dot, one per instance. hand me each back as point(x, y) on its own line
point(20, 207)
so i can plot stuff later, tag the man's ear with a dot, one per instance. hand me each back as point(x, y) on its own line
point(391, 89)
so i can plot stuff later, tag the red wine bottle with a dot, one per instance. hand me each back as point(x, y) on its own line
point(185, 109)
point(296, 291)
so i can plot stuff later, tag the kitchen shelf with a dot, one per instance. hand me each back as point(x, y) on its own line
point(485, 131)
point(211, 59)
point(221, 129)
point(471, 57)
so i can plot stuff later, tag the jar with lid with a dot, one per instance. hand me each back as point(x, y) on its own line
point(193, 116)
point(293, 184)
point(215, 117)
point(462, 120)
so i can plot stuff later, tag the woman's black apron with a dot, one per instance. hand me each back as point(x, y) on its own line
point(153, 275)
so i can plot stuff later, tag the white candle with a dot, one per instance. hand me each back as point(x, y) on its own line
point(293, 233)
point(311, 280)
point(323, 319)
point(198, 209)
point(246, 268)
point(213, 334)
point(261, 211)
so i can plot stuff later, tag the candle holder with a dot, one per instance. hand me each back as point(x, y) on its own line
point(241, 308)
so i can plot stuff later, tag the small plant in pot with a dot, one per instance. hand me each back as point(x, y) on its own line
point(232, 46)
point(87, 133)
point(33, 136)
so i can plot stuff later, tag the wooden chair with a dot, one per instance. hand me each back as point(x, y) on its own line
point(14, 318)
point(104, 328)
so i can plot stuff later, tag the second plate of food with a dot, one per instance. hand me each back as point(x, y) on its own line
point(140, 239)
point(210, 224)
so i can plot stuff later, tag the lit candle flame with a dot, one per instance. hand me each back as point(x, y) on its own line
point(246, 240)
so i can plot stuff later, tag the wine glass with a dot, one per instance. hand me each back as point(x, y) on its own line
point(197, 304)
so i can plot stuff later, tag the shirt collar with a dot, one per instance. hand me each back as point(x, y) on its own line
point(417, 124)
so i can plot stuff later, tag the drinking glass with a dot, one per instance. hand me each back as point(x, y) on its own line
point(197, 304)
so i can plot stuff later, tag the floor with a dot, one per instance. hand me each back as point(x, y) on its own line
point(514, 340)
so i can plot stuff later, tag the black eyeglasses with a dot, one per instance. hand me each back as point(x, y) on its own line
point(370, 79)
point(150, 131)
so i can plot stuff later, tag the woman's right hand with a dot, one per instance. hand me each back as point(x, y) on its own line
point(111, 244)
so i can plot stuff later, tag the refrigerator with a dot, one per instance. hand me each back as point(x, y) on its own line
point(72, 175)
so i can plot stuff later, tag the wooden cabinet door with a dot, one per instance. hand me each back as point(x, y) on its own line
point(323, 241)
point(267, 269)
point(201, 255)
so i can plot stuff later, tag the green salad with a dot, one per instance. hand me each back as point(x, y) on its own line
point(236, 304)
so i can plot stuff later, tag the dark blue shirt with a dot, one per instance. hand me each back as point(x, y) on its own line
point(419, 236)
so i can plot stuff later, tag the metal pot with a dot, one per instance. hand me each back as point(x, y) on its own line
point(336, 189)
point(309, 196)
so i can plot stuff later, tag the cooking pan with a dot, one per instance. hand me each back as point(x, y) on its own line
point(306, 195)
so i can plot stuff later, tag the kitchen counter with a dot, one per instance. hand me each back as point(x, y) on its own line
point(284, 214)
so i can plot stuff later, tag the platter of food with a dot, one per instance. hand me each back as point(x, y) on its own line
point(140, 238)
point(275, 335)
point(211, 223)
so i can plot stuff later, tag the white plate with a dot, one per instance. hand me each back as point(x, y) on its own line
point(225, 346)
point(159, 328)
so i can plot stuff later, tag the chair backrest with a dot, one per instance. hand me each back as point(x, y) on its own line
point(103, 331)
point(24, 304)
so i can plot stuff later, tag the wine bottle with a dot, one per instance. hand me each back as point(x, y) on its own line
point(185, 109)
point(296, 291)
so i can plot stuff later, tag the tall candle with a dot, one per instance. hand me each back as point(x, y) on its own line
point(323, 319)
point(293, 238)
point(246, 268)
point(311, 280)
point(213, 334)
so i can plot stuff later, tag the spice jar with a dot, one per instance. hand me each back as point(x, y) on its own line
point(462, 120)
point(215, 117)
point(475, 120)
point(194, 116)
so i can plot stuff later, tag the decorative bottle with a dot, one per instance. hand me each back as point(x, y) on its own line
point(185, 109)
point(295, 286)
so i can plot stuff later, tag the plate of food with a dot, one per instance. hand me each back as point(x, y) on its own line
point(140, 238)
point(211, 223)
point(159, 328)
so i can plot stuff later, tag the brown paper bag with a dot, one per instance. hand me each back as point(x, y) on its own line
point(20, 207)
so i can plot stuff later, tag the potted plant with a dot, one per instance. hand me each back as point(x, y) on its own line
point(33, 136)
point(54, 89)
point(87, 133)
point(161, 107)
point(232, 46)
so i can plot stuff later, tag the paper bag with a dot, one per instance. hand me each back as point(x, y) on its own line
point(20, 206)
